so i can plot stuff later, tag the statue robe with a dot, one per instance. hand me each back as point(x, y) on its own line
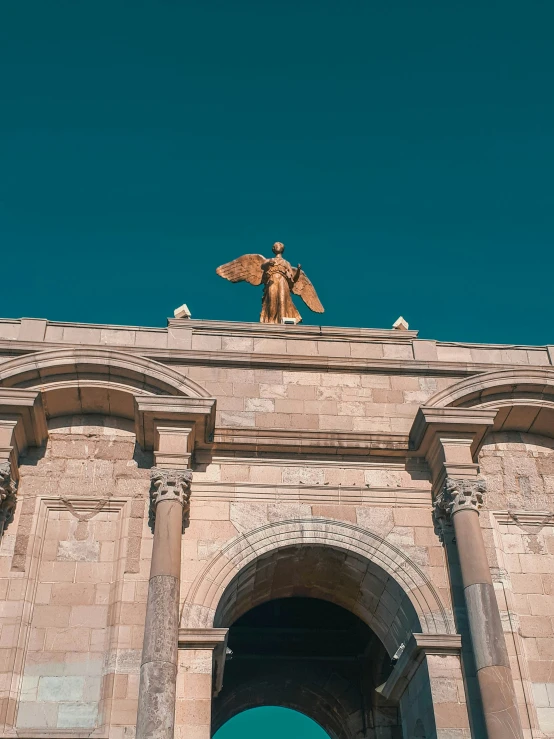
point(278, 282)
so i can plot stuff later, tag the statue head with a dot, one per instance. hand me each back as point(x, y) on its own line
point(278, 247)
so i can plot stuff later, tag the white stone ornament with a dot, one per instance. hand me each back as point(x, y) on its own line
point(460, 495)
point(168, 484)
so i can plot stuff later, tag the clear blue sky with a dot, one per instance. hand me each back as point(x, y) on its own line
point(403, 151)
point(271, 722)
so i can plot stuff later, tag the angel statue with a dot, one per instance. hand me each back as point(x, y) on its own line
point(279, 279)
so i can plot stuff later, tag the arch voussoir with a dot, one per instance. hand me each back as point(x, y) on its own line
point(397, 583)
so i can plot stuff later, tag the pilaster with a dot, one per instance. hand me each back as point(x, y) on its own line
point(202, 654)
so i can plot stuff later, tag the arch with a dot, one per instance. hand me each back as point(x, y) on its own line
point(94, 380)
point(407, 599)
point(524, 398)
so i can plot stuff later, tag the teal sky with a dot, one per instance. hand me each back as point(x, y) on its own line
point(271, 722)
point(403, 151)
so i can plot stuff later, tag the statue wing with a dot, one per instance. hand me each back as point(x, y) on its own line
point(306, 290)
point(248, 268)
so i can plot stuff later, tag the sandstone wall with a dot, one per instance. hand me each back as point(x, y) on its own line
point(519, 469)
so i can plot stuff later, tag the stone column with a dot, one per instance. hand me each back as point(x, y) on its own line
point(460, 501)
point(169, 507)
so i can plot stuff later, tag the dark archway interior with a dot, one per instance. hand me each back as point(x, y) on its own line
point(314, 657)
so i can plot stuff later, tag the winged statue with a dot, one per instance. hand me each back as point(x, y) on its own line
point(279, 279)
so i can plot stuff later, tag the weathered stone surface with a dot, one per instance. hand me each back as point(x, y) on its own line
point(156, 716)
point(487, 635)
point(162, 617)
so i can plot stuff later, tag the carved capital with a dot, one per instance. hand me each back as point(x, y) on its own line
point(8, 495)
point(459, 495)
point(167, 484)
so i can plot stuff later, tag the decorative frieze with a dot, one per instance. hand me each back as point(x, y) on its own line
point(8, 496)
point(458, 495)
point(168, 484)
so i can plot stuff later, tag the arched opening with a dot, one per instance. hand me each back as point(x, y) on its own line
point(314, 629)
point(271, 722)
point(311, 656)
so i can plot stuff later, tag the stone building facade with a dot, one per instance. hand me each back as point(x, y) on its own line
point(354, 523)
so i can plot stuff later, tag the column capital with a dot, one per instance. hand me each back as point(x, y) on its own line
point(459, 495)
point(8, 495)
point(22, 424)
point(172, 485)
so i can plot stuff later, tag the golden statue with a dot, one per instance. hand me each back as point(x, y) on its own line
point(279, 279)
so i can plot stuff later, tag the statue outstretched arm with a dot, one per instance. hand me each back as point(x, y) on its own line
point(303, 287)
point(247, 268)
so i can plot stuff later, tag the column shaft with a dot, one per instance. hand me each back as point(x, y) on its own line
point(489, 646)
point(158, 670)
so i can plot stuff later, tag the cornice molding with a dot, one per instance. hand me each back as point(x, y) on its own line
point(206, 491)
point(252, 360)
point(331, 442)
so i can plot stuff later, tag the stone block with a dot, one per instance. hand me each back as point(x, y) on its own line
point(34, 714)
point(337, 512)
point(206, 342)
point(241, 420)
point(425, 350)
point(378, 520)
point(264, 405)
point(270, 346)
point(237, 344)
point(539, 626)
point(305, 378)
point(61, 688)
point(546, 720)
point(92, 616)
point(363, 350)
point(248, 516)
point(303, 475)
point(335, 423)
point(77, 715)
point(72, 594)
point(272, 420)
point(398, 351)
point(74, 639)
point(288, 511)
point(51, 615)
point(79, 551)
